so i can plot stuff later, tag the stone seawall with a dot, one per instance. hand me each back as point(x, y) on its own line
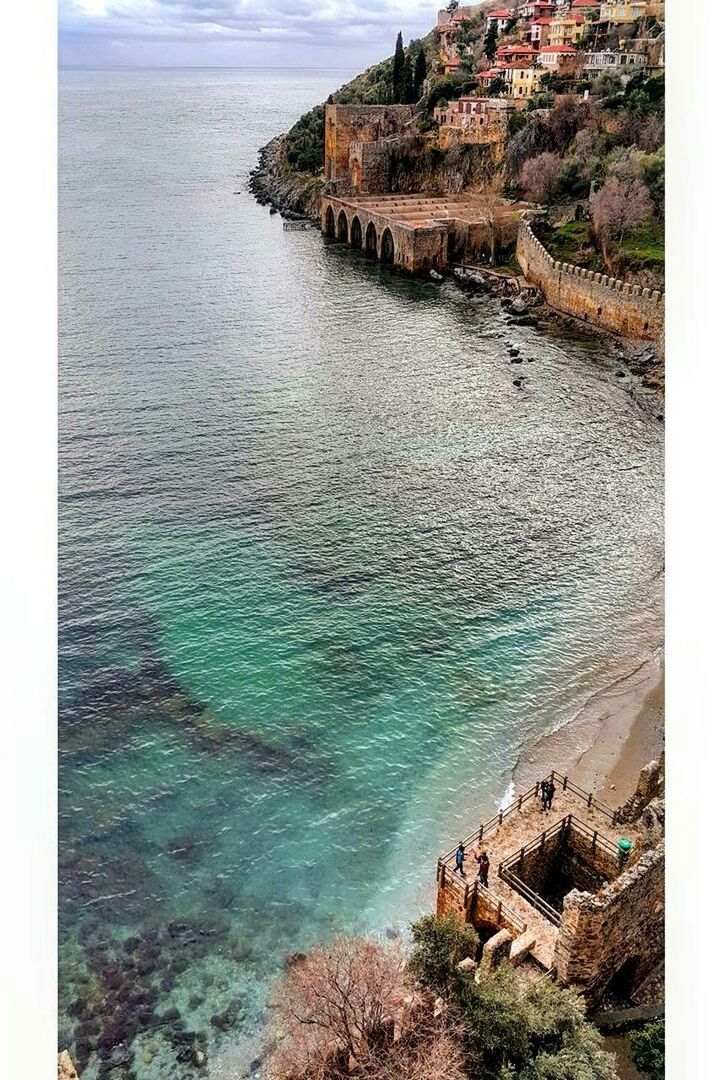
point(604, 302)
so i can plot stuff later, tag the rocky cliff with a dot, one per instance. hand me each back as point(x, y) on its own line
point(273, 183)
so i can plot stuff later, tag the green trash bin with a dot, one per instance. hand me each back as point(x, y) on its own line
point(624, 849)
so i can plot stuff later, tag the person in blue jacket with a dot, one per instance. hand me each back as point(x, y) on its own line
point(460, 859)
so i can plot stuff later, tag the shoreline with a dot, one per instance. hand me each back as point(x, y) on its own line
point(618, 730)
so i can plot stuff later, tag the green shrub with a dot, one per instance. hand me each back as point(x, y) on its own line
point(440, 944)
point(648, 1050)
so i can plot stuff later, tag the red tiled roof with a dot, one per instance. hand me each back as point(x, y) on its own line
point(541, 22)
point(504, 13)
point(557, 49)
point(514, 64)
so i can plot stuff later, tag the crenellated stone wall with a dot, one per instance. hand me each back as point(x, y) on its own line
point(603, 301)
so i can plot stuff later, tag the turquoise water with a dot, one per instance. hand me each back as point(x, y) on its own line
point(324, 570)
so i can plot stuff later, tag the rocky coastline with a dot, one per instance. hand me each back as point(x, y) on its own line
point(294, 195)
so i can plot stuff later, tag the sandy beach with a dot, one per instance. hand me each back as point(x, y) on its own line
point(618, 731)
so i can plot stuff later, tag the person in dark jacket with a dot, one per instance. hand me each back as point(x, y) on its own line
point(460, 859)
point(483, 868)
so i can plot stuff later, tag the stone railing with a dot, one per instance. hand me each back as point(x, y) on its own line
point(605, 302)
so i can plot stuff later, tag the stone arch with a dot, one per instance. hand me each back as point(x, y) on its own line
point(342, 227)
point(387, 247)
point(356, 233)
point(329, 222)
point(371, 241)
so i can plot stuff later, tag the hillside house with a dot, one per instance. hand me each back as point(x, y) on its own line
point(500, 19)
point(522, 79)
point(613, 60)
point(621, 11)
point(566, 29)
point(540, 31)
point(560, 59)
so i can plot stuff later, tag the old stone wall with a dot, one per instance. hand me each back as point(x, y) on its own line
point(369, 167)
point(650, 786)
point(569, 858)
point(415, 248)
point(348, 124)
point(488, 134)
point(474, 905)
point(603, 301)
point(620, 929)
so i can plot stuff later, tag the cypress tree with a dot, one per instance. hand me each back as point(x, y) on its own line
point(398, 68)
point(490, 43)
point(420, 73)
point(407, 95)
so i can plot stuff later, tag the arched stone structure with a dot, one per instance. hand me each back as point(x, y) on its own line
point(330, 222)
point(356, 233)
point(387, 247)
point(401, 231)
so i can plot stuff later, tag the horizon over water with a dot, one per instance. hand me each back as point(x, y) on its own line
point(324, 571)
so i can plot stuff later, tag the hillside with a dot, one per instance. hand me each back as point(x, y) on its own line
point(590, 151)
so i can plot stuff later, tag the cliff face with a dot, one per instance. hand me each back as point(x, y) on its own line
point(414, 164)
point(274, 183)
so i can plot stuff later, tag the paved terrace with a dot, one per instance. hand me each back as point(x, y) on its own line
point(517, 827)
point(419, 211)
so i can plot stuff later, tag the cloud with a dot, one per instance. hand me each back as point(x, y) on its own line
point(212, 31)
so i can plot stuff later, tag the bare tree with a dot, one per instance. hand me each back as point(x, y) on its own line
point(540, 177)
point(334, 1006)
point(617, 206)
point(492, 212)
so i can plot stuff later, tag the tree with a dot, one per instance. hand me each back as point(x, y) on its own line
point(349, 1008)
point(332, 1005)
point(497, 87)
point(648, 1050)
point(532, 139)
point(344, 1008)
point(407, 93)
point(440, 944)
point(507, 1032)
point(420, 73)
point(452, 6)
point(398, 68)
point(490, 42)
point(616, 207)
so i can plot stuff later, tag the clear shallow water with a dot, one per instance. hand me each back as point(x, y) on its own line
point(324, 569)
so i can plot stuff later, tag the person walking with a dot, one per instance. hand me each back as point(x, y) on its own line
point(460, 859)
point(483, 868)
point(549, 792)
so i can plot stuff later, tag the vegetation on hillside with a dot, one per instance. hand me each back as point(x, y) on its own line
point(596, 161)
point(604, 159)
point(399, 79)
point(648, 1050)
point(359, 1008)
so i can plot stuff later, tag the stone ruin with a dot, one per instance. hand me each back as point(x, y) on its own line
point(566, 898)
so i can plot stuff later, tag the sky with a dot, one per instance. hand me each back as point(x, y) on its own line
point(338, 34)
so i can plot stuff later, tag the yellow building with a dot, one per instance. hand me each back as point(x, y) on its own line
point(523, 79)
point(566, 29)
point(618, 12)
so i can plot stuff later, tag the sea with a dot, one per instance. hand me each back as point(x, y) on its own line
point(326, 571)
